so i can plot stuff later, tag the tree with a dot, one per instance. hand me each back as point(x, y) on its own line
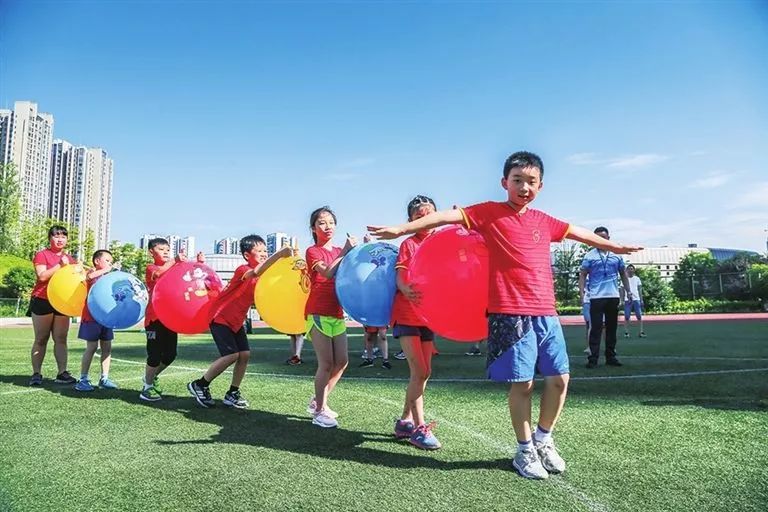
point(566, 266)
point(10, 207)
point(33, 236)
point(85, 252)
point(657, 294)
point(758, 277)
point(131, 259)
point(20, 280)
point(696, 276)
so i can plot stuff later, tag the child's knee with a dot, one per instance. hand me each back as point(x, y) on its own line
point(244, 356)
point(522, 389)
point(558, 382)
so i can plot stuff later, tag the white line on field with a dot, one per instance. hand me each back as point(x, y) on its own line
point(127, 379)
point(398, 379)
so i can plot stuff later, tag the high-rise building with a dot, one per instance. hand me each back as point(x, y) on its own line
point(186, 245)
point(63, 174)
point(276, 241)
point(92, 193)
point(26, 136)
point(227, 246)
point(176, 243)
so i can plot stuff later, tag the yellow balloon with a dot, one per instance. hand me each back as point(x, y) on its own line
point(67, 291)
point(281, 294)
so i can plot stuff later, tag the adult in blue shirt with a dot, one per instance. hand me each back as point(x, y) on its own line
point(602, 268)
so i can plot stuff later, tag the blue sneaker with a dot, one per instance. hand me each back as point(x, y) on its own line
point(105, 383)
point(84, 385)
point(404, 429)
point(423, 438)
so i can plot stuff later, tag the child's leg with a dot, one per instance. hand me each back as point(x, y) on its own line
point(59, 332)
point(383, 344)
point(419, 366)
point(218, 366)
point(240, 366)
point(85, 362)
point(324, 354)
point(520, 409)
point(552, 400)
point(340, 361)
point(368, 347)
point(297, 344)
point(42, 326)
point(627, 316)
point(106, 357)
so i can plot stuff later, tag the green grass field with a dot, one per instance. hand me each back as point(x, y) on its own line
point(682, 426)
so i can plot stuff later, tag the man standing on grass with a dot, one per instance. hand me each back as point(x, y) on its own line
point(602, 268)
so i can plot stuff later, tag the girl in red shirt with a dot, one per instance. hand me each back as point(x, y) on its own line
point(46, 321)
point(325, 318)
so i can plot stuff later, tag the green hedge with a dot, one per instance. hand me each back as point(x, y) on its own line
point(678, 307)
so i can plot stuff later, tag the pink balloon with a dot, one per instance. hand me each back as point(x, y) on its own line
point(450, 268)
point(182, 297)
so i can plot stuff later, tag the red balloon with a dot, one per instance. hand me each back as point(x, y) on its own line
point(182, 297)
point(450, 269)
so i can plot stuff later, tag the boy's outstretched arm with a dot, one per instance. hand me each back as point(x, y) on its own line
point(586, 236)
point(433, 220)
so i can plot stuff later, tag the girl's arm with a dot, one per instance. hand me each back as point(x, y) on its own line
point(329, 270)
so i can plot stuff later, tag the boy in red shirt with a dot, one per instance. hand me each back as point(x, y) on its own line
point(523, 328)
point(229, 311)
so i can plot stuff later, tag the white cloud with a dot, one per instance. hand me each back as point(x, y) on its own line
point(617, 162)
point(712, 180)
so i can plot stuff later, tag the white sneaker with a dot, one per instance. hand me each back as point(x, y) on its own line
point(323, 419)
point(364, 355)
point(587, 351)
point(312, 409)
point(550, 459)
point(527, 463)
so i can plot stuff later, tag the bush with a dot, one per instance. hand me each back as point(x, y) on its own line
point(20, 280)
point(704, 305)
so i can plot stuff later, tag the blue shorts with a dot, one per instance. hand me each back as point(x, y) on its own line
point(585, 312)
point(419, 331)
point(633, 306)
point(518, 344)
point(94, 331)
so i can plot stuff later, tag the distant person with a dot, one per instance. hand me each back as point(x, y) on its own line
point(635, 304)
point(375, 336)
point(297, 343)
point(602, 269)
point(46, 321)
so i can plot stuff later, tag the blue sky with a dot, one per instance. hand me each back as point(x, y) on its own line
point(226, 118)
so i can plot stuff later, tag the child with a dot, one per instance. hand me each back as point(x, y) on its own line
point(325, 318)
point(161, 341)
point(93, 333)
point(229, 311)
point(523, 329)
point(297, 343)
point(46, 321)
point(416, 340)
point(375, 335)
point(633, 302)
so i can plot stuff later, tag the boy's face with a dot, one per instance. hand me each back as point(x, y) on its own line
point(161, 253)
point(257, 255)
point(58, 241)
point(422, 211)
point(630, 271)
point(103, 261)
point(522, 185)
point(324, 227)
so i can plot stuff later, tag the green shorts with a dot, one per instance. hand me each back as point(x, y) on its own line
point(328, 325)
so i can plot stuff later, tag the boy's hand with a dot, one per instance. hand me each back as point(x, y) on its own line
point(64, 261)
point(627, 249)
point(181, 257)
point(385, 232)
point(200, 257)
point(367, 238)
point(411, 293)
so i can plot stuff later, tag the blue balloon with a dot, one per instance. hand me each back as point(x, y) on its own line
point(118, 300)
point(366, 283)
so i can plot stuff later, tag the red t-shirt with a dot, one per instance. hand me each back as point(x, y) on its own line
point(150, 315)
point(403, 312)
point(231, 307)
point(50, 259)
point(518, 257)
point(322, 298)
point(86, 315)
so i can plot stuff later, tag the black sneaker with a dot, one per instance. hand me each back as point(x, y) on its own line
point(367, 363)
point(386, 364)
point(626, 335)
point(613, 362)
point(233, 399)
point(642, 334)
point(400, 356)
point(65, 378)
point(36, 380)
point(591, 364)
point(474, 351)
point(294, 361)
point(202, 395)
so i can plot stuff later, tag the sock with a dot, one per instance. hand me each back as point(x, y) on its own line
point(83, 376)
point(524, 445)
point(232, 389)
point(542, 435)
point(104, 376)
point(147, 386)
point(202, 382)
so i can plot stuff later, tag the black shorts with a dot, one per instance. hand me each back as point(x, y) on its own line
point(157, 332)
point(227, 341)
point(41, 307)
point(424, 333)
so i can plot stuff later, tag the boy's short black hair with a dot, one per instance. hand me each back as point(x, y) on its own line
point(98, 254)
point(249, 242)
point(523, 159)
point(157, 241)
point(631, 266)
point(417, 202)
point(602, 229)
point(57, 230)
